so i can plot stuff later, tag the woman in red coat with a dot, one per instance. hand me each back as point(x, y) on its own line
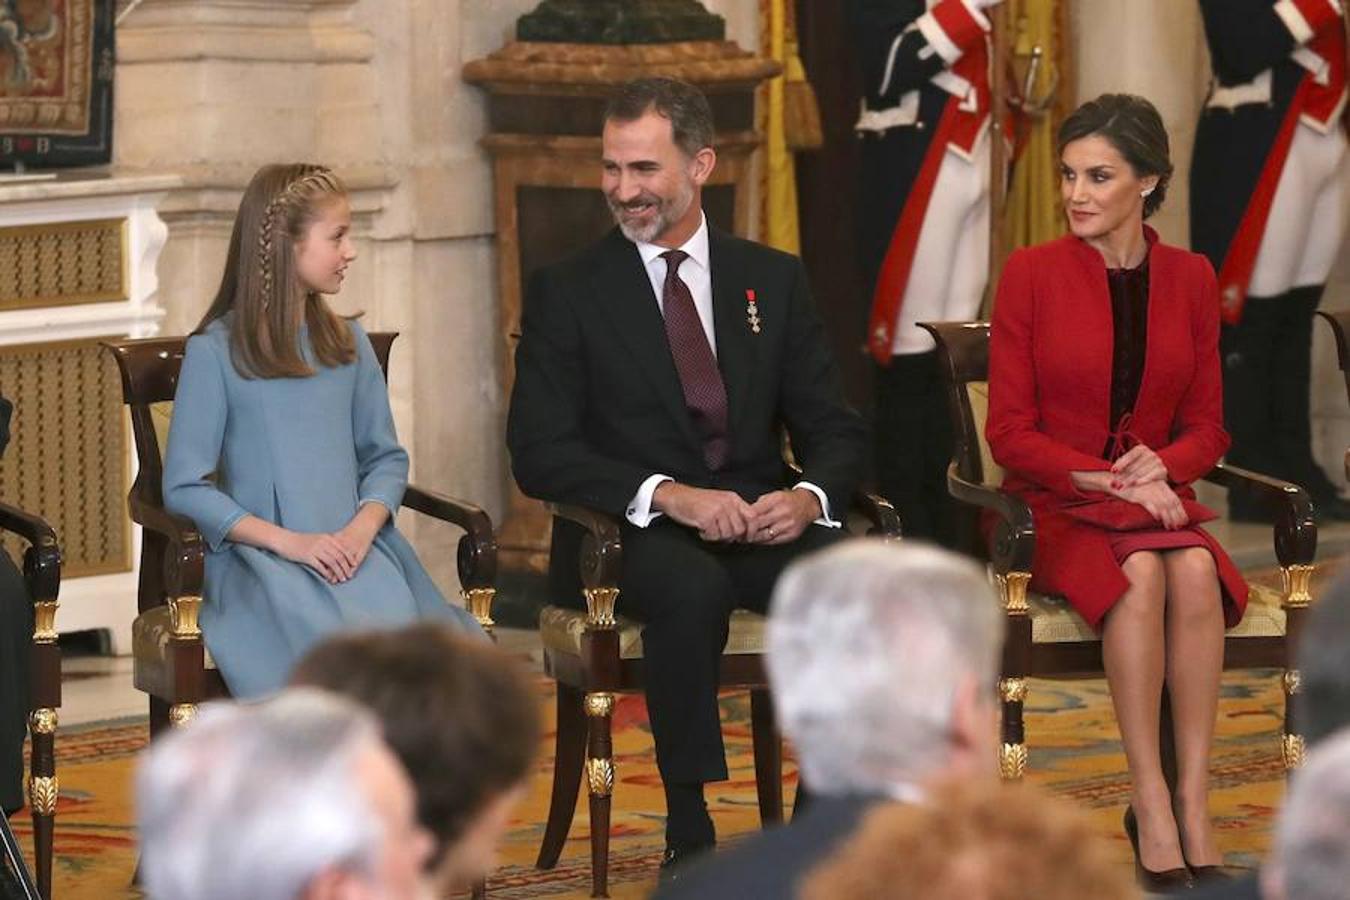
point(1105, 403)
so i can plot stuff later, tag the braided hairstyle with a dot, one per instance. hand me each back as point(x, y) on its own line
point(261, 298)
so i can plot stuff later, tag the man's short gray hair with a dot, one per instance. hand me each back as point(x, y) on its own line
point(1312, 837)
point(256, 800)
point(867, 643)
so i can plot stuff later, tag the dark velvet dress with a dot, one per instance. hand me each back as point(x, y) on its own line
point(1129, 319)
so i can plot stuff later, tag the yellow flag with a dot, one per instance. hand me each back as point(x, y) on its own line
point(778, 186)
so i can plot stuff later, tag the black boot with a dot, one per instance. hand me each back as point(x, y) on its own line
point(914, 445)
point(1291, 424)
point(689, 828)
point(1248, 405)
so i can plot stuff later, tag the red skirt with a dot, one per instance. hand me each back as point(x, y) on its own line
point(1123, 543)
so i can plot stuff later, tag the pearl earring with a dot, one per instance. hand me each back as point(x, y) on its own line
point(1145, 192)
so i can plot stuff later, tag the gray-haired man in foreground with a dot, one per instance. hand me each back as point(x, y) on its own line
point(883, 659)
point(295, 798)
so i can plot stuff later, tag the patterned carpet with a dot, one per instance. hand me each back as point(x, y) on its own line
point(1075, 752)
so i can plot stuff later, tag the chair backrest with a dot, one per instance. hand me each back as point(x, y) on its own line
point(963, 354)
point(149, 369)
point(1340, 327)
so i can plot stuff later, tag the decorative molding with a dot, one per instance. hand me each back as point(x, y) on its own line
point(479, 603)
point(263, 43)
point(43, 791)
point(1012, 761)
point(43, 721)
point(1012, 590)
point(1291, 751)
point(181, 714)
point(600, 606)
point(600, 777)
point(529, 67)
point(183, 613)
point(44, 264)
point(599, 704)
point(44, 622)
point(1297, 585)
point(1012, 690)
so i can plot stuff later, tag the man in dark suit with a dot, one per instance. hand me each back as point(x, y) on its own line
point(1322, 704)
point(882, 658)
point(16, 630)
point(655, 376)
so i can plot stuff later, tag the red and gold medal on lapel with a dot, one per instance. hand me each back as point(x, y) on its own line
point(751, 310)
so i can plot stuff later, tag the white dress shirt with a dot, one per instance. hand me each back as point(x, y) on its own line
point(697, 276)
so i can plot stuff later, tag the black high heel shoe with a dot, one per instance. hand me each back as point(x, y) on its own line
point(1167, 882)
point(1203, 874)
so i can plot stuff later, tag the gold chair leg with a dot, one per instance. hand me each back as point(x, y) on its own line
point(1012, 687)
point(600, 783)
point(1291, 745)
point(1012, 757)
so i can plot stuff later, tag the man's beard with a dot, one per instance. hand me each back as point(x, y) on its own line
point(668, 211)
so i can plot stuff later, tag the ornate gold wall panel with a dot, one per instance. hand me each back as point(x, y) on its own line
point(67, 456)
point(63, 263)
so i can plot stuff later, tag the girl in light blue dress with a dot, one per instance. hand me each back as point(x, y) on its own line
point(282, 447)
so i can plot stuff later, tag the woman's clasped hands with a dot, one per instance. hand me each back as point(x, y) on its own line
point(1140, 476)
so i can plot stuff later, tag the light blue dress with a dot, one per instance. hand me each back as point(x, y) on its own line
point(302, 453)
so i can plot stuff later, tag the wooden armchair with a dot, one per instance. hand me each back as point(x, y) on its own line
point(1046, 638)
point(595, 654)
point(1340, 328)
point(170, 661)
point(42, 577)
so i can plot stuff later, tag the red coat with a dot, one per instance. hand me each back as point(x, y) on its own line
point(1050, 361)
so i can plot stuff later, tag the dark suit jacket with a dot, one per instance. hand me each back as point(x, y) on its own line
point(1248, 887)
point(773, 863)
point(16, 628)
point(598, 408)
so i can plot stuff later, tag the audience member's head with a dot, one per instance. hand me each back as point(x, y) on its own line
point(883, 659)
point(1323, 703)
point(973, 840)
point(1311, 857)
point(295, 798)
point(462, 717)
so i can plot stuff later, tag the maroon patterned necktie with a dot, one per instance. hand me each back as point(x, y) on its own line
point(704, 393)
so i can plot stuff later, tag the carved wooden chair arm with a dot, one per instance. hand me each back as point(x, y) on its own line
point(601, 549)
point(880, 514)
point(1015, 536)
point(42, 560)
point(33, 529)
point(1295, 528)
point(185, 553)
point(477, 556)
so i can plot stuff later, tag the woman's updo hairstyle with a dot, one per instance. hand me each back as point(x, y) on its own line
point(1133, 126)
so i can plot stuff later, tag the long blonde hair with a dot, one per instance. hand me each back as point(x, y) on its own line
point(260, 285)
